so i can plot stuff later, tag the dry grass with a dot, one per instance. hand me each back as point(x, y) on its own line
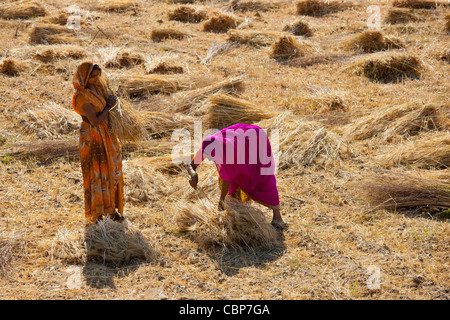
point(225, 110)
point(13, 67)
point(299, 28)
point(117, 5)
point(160, 124)
point(396, 16)
point(220, 23)
point(387, 67)
point(126, 122)
point(253, 38)
point(125, 58)
point(415, 4)
point(447, 23)
point(159, 35)
point(164, 65)
point(372, 41)
point(253, 5)
point(144, 85)
point(288, 48)
point(317, 8)
point(52, 34)
point(188, 14)
point(22, 10)
point(47, 53)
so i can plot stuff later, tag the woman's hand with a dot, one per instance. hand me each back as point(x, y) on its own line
point(194, 180)
point(111, 101)
point(221, 207)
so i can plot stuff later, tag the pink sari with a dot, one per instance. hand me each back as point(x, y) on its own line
point(243, 156)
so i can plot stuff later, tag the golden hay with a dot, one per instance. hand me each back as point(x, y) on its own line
point(371, 41)
point(387, 67)
point(319, 59)
point(396, 16)
point(186, 101)
point(288, 48)
point(22, 10)
point(6, 256)
point(299, 28)
point(447, 23)
point(160, 124)
point(13, 67)
point(239, 226)
point(47, 53)
point(317, 8)
point(220, 23)
point(117, 243)
point(399, 191)
point(117, 5)
point(125, 59)
point(390, 122)
point(431, 150)
point(189, 14)
point(415, 4)
point(51, 34)
point(126, 122)
point(59, 18)
point(159, 35)
point(226, 110)
point(253, 38)
point(142, 85)
point(163, 66)
point(68, 246)
point(253, 5)
point(46, 151)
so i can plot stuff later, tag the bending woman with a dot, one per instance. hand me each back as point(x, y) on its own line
point(244, 161)
point(100, 151)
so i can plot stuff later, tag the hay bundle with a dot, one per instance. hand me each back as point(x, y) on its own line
point(389, 122)
point(52, 34)
point(50, 53)
point(163, 66)
point(59, 18)
point(142, 85)
point(159, 35)
point(415, 4)
point(161, 124)
point(288, 48)
point(430, 151)
point(117, 243)
point(385, 68)
point(398, 191)
point(22, 10)
point(13, 67)
point(225, 110)
point(299, 28)
point(125, 59)
point(117, 5)
point(253, 5)
point(253, 38)
point(317, 8)
point(372, 41)
point(125, 122)
point(188, 14)
point(220, 23)
point(68, 246)
point(396, 16)
point(50, 120)
point(187, 101)
point(238, 227)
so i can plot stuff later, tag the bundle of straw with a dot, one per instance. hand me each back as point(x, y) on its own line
point(68, 246)
point(13, 67)
point(47, 53)
point(141, 85)
point(160, 124)
point(238, 227)
point(288, 48)
point(253, 38)
point(372, 41)
point(253, 5)
point(52, 34)
point(317, 8)
point(226, 110)
point(22, 10)
point(396, 16)
point(125, 122)
point(188, 14)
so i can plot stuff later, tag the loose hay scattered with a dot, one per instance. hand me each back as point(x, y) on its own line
point(220, 23)
point(399, 191)
point(391, 122)
point(52, 34)
point(6, 257)
point(47, 54)
point(225, 110)
point(159, 35)
point(13, 67)
point(22, 10)
point(126, 122)
point(125, 59)
point(415, 4)
point(388, 67)
point(188, 14)
point(429, 151)
point(372, 41)
point(253, 5)
point(239, 226)
point(288, 48)
point(142, 85)
point(299, 28)
point(115, 243)
point(253, 38)
point(317, 8)
point(117, 5)
point(397, 16)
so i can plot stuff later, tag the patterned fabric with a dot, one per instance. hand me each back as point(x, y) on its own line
point(100, 153)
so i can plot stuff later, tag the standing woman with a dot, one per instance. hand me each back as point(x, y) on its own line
point(100, 150)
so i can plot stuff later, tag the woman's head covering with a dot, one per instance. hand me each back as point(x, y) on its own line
point(81, 76)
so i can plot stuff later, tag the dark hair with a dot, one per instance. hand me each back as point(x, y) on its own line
point(96, 67)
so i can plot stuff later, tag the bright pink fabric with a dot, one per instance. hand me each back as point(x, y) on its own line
point(243, 156)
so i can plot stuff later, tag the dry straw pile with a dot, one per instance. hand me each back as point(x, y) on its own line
point(47, 53)
point(373, 41)
point(188, 14)
point(416, 4)
point(220, 23)
point(13, 67)
point(52, 34)
point(22, 10)
point(253, 5)
point(397, 16)
point(253, 38)
point(125, 58)
point(288, 48)
point(387, 67)
point(239, 226)
point(126, 122)
point(299, 28)
point(317, 8)
point(226, 110)
point(159, 35)
point(117, 5)
point(143, 85)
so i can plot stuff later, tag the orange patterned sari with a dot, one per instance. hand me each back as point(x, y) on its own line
point(100, 153)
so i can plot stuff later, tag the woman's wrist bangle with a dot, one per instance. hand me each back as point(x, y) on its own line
point(193, 174)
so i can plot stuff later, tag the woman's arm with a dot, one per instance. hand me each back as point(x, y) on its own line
point(223, 193)
point(95, 119)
